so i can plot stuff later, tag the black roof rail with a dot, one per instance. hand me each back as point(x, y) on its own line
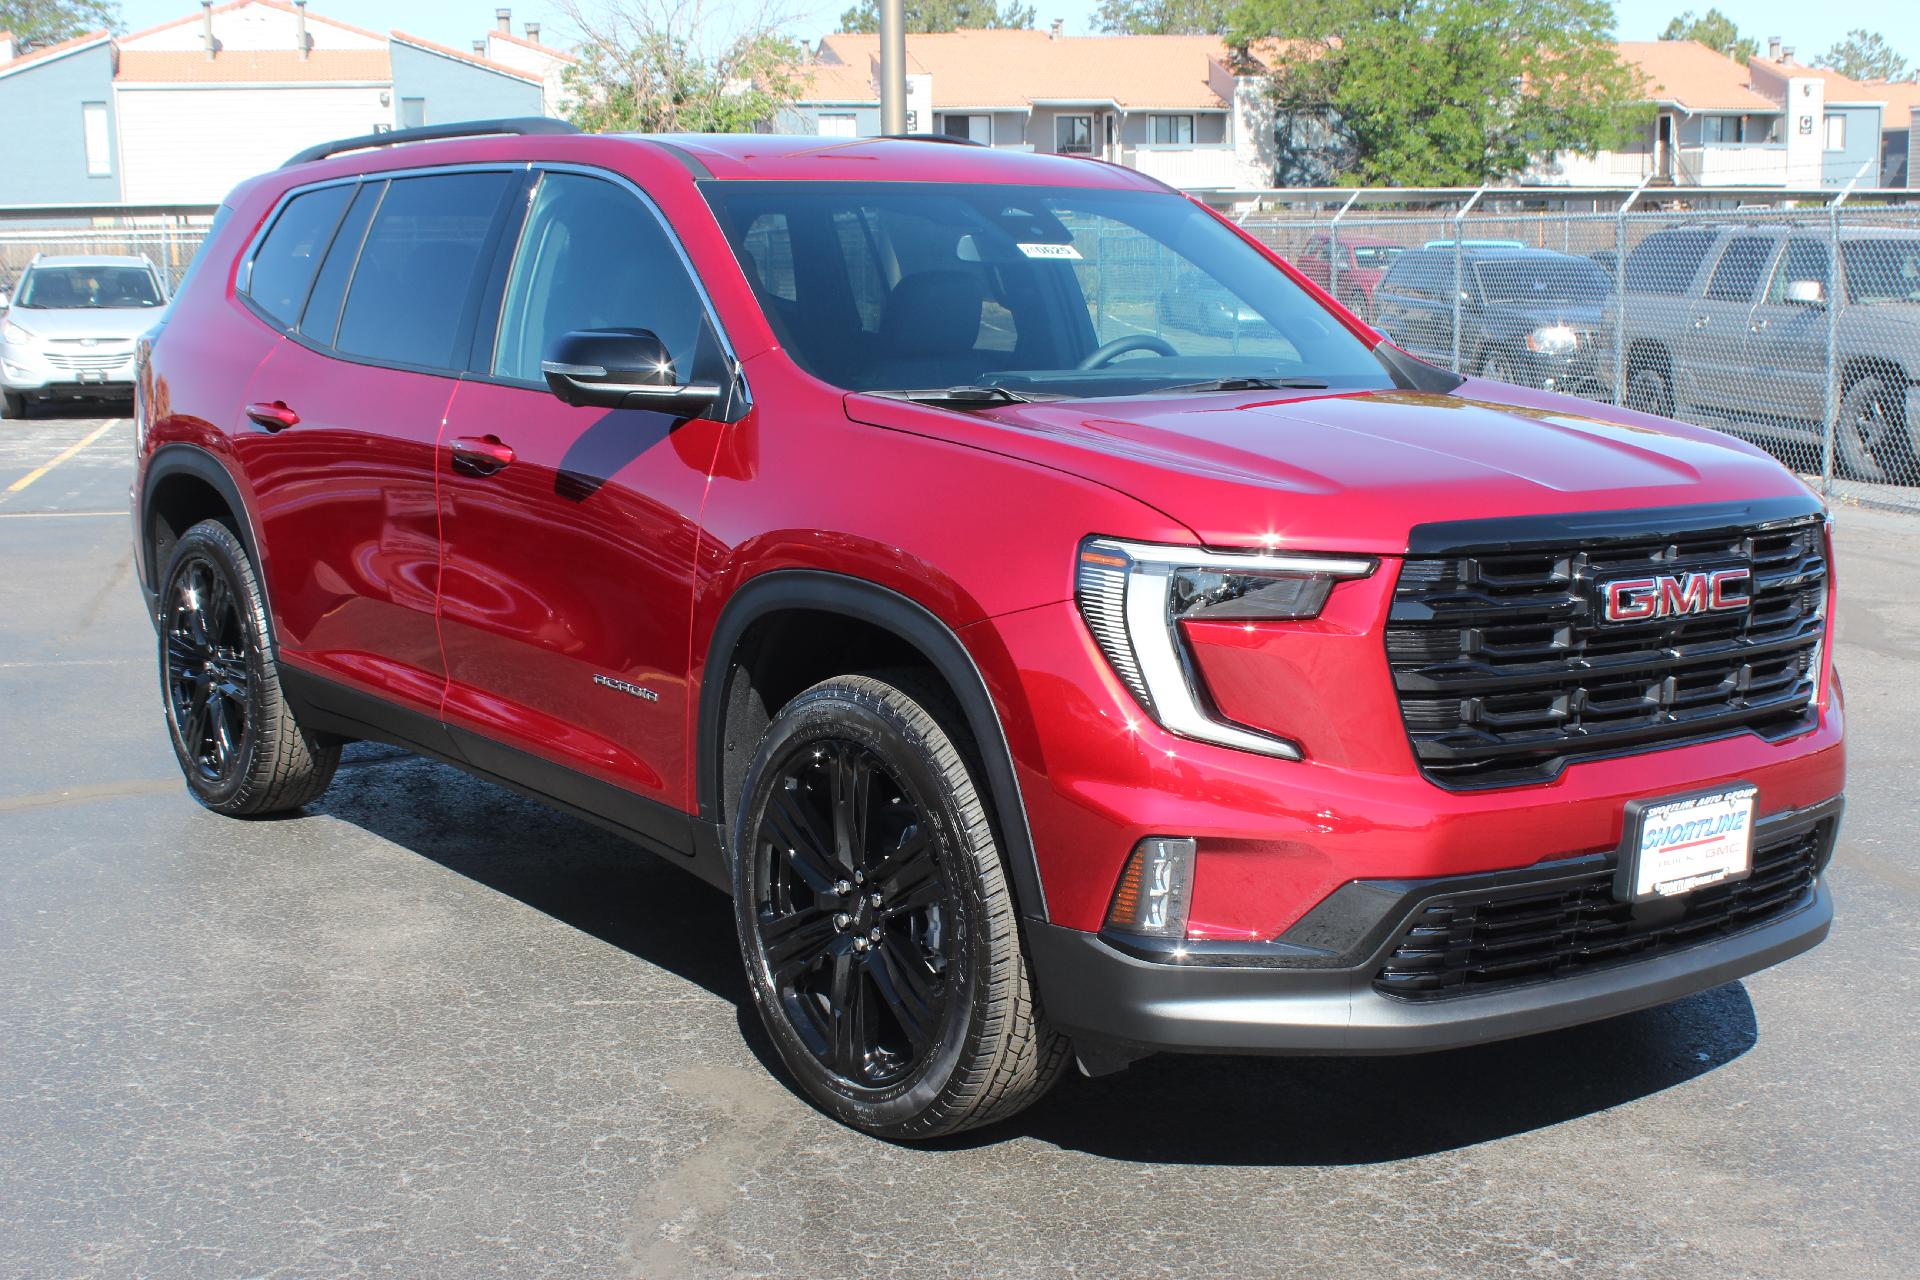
point(520, 125)
point(947, 138)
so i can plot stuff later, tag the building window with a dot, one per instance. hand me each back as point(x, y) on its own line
point(1836, 132)
point(93, 120)
point(1170, 131)
point(1073, 135)
point(413, 113)
point(973, 128)
point(836, 124)
point(1722, 130)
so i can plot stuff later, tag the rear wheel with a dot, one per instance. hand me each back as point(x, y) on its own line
point(236, 739)
point(1870, 440)
point(880, 938)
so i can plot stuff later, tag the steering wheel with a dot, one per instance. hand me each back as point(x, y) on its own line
point(1106, 353)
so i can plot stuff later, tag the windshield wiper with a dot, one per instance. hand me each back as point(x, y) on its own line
point(1240, 384)
point(988, 393)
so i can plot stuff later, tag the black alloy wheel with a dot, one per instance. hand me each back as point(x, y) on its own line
point(879, 933)
point(853, 914)
point(205, 668)
point(240, 746)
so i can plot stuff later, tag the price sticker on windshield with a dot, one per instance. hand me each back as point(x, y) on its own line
point(1679, 845)
point(1064, 252)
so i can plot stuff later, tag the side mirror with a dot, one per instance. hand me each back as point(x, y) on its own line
point(1806, 293)
point(622, 369)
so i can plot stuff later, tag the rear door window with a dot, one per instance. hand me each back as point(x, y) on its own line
point(284, 266)
point(1666, 261)
point(1739, 269)
point(419, 276)
point(330, 285)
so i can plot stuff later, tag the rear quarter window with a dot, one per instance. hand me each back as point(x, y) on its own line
point(284, 265)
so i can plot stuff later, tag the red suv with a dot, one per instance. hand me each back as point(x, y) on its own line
point(834, 519)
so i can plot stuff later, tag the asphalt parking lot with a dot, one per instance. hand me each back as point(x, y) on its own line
point(431, 1029)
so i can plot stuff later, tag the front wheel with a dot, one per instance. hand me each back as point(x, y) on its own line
point(12, 405)
point(1649, 389)
point(241, 749)
point(879, 935)
point(1871, 440)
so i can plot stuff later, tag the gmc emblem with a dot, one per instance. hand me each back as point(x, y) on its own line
point(1669, 595)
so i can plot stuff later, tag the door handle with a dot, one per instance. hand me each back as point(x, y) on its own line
point(1759, 324)
point(481, 455)
point(1700, 322)
point(273, 416)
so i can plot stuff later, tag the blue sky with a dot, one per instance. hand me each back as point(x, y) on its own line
point(458, 22)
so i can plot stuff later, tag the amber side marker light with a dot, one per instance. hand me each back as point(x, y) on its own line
point(1155, 889)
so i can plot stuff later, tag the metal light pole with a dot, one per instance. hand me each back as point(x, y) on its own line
point(893, 66)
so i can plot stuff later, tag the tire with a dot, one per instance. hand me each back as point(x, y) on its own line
point(1496, 367)
point(1871, 440)
point(239, 746)
point(12, 405)
point(1649, 388)
point(910, 1018)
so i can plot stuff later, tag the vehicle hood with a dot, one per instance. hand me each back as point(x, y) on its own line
point(1357, 471)
point(1532, 315)
point(111, 324)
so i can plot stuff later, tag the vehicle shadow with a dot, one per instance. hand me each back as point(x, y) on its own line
point(1172, 1109)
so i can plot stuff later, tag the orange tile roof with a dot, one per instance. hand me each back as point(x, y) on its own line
point(53, 50)
point(1902, 100)
point(253, 66)
point(1013, 69)
point(473, 59)
point(1696, 77)
point(1839, 88)
point(231, 5)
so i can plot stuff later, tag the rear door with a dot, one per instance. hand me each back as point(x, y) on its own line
point(378, 294)
point(1712, 366)
point(571, 533)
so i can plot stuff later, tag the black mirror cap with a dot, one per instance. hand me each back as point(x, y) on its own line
point(622, 369)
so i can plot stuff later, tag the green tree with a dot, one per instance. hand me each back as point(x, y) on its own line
point(650, 66)
point(925, 16)
point(1716, 31)
point(1865, 55)
point(35, 23)
point(1446, 92)
point(1162, 17)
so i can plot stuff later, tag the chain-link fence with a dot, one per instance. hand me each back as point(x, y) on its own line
point(1795, 328)
point(168, 242)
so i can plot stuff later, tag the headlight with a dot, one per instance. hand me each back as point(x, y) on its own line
point(1553, 340)
point(14, 333)
point(1134, 595)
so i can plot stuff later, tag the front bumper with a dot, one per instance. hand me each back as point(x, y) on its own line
point(1312, 992)
point(79, 373)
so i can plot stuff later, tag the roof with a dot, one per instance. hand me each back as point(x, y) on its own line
point(471, 59)
point(91, 260)
point(46, 53)
point(797, 157)
point(1012, 69)
point(197, 15)
point(1692, 76)
point(254, 66)
point(1839, 88)
point(558, 55)
point(1901, 98)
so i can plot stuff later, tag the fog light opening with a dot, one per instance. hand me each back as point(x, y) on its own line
point(1155, 889)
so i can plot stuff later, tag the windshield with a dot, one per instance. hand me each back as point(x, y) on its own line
point(61, 288)
point(1882, 270)
point(1534, 280)
point(1045, 291)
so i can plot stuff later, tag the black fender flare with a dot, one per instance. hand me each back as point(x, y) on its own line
point(178, 459)
point(878, 606)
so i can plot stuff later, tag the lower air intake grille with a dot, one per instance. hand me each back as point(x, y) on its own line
point(1511, 937)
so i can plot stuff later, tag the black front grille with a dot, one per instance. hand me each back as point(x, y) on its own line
point(1513, 936)
point(1505, 671)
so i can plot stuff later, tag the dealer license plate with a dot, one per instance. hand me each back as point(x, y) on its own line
point(1686, 843)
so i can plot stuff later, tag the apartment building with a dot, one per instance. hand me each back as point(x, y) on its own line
point(1181, 108)
point(180, 112)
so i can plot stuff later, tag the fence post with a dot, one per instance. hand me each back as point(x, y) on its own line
point(1620, 292)
point(1459, 271)
point(1833, 349)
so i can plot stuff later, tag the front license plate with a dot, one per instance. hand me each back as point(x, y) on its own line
point(92, 375)
point(1686, 843)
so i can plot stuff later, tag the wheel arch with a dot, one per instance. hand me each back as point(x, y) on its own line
point(184, 484)
point(886, 624)
point(1854, 368)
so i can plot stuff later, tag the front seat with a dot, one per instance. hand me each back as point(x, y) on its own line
point(928, 329)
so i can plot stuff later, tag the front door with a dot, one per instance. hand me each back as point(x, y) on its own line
point(571, 534)
point(1712, 366)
